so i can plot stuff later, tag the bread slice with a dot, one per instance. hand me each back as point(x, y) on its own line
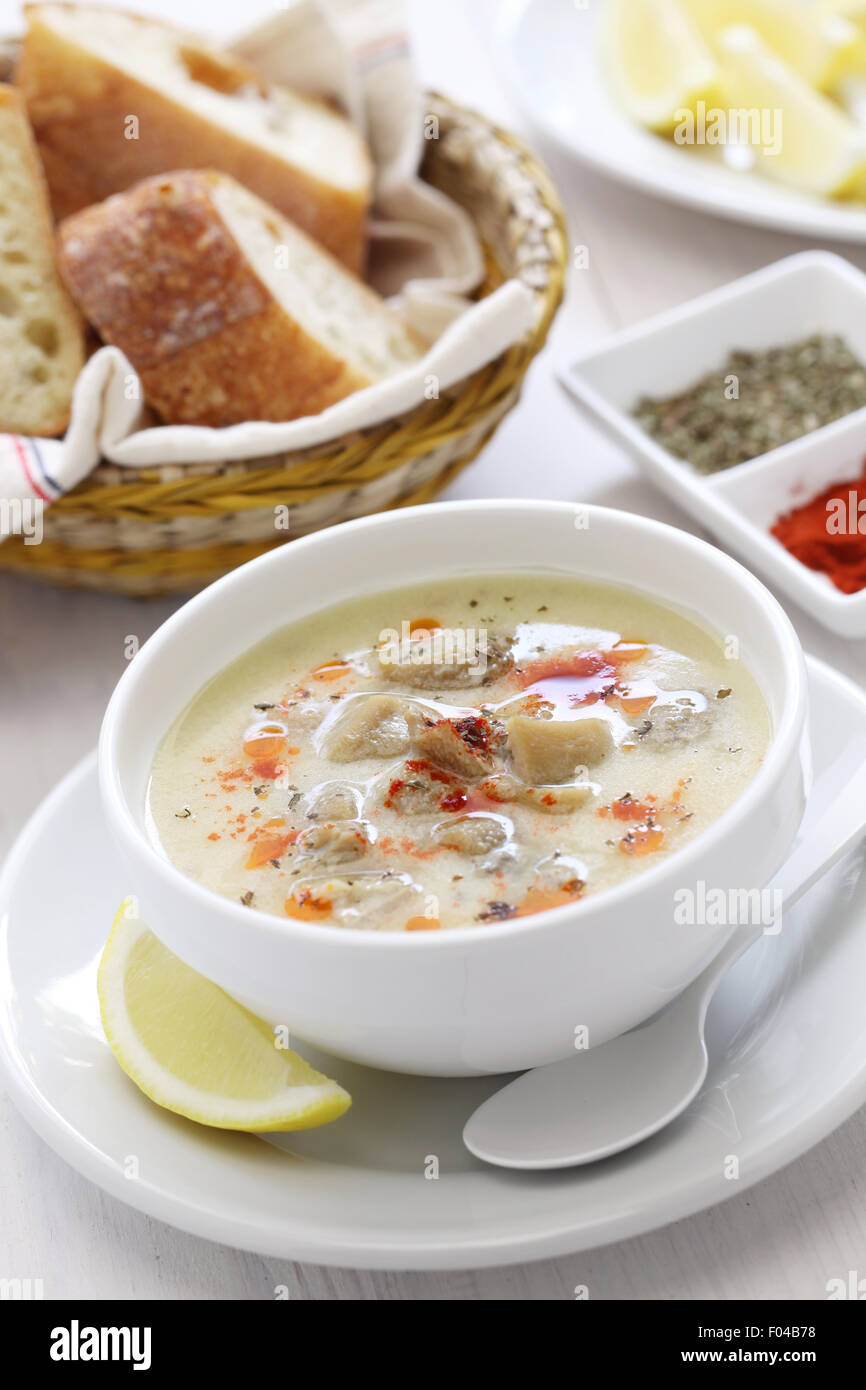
point(115, 97)
point(227, 311)
point(41, 336)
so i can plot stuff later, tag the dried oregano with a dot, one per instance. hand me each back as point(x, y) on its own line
point(757, 401)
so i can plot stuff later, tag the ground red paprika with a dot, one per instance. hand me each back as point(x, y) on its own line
point(829, 533)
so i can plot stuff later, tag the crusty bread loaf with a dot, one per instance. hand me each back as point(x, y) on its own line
point(41, 336)
point(226, 310)
point(115, 97)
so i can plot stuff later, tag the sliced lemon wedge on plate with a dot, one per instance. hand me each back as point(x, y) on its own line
point(819, 150)
point(658, 61)
point(821, 47)
point(192, 1049)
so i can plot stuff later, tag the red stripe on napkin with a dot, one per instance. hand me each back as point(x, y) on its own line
point(22, 459)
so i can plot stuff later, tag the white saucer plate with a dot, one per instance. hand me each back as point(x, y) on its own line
point(549, 51)
point(788, 1064)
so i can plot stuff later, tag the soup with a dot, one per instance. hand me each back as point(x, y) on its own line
point(456, 753)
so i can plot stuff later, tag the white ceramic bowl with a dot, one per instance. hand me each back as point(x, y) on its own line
point(471, 999)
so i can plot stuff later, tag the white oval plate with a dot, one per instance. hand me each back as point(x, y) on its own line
point(786, 1037)
point(549, 50)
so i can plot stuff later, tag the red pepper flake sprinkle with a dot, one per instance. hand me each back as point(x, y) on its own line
point(410, 846)
point(394, 790)
point(422, 765)
point(828, 534)
point(454, 801)
point(229, 776)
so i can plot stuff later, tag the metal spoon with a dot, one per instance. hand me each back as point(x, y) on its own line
point(614, 1096)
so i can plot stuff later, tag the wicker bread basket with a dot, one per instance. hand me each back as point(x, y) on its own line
point(154, 531)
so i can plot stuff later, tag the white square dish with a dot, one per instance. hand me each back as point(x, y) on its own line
point(814, 292)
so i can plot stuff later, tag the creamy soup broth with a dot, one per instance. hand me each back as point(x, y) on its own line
point(456, 753)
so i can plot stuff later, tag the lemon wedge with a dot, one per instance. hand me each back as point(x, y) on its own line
point(820, 149)
point(193, 1050)
point(819, 46)
point(852, 10)
point(658, 62)
point(853, 13)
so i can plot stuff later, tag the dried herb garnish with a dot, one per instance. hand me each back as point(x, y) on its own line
point(264, 706)
point(247, 897)
point(757, 401)
point(184, 814)
point(722, 694)
point(497, 912)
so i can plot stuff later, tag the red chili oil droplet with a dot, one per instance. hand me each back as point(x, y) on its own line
point(629, 809)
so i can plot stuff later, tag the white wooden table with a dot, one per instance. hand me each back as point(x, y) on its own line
point(61, 652)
